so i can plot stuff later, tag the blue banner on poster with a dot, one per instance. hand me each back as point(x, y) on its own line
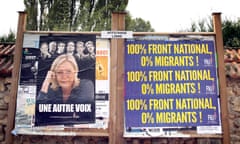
point(171, 83)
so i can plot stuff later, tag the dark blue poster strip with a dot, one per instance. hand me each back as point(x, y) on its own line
point(171, 83)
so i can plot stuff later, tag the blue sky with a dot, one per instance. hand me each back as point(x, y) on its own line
point(164, 15)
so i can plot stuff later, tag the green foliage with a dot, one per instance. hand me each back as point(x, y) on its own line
point(231, 33)
point(230, 30)
point(31, 9)
point(78, 15)
point(59, 20)
point(8, 38)
point(138, 25)
point(193, 27)
point(73, 15)
point(203, 25)
point(96, 15)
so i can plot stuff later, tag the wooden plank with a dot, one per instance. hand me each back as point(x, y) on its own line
point(62, 32)
point(134, 33)
point(120, 80)
point(116, 82)
point(173, 33)
point(15, 75)
point(222, 77)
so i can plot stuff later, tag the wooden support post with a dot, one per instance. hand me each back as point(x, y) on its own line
point(117, 82)
point(222, 77)
point(15, 76)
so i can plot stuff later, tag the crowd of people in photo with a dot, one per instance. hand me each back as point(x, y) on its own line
point(83, 52)
point(80, 50)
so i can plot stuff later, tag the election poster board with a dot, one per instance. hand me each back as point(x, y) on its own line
point(171, 87)
point(35, 116)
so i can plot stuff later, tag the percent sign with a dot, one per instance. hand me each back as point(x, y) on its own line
point(147, 88)
point(146, 61)
point(143, 49)
point(143, 76)
point(147, 117)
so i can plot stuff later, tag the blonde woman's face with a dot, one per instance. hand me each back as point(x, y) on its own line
point(65, 75)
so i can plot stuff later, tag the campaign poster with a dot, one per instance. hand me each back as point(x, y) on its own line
point(102, 82)
point(36, 62)
point(170, 84)
point(102, 89)
point(26, 96)
point(66, 80)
